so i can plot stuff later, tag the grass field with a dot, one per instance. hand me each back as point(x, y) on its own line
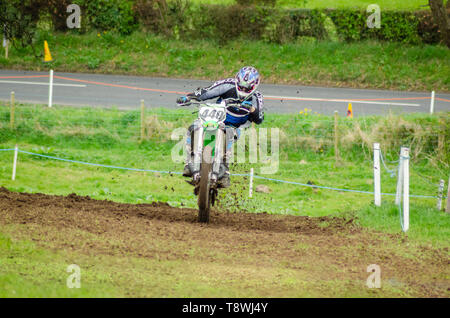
point(111, 137)
point(139, 254)
point(363, 64)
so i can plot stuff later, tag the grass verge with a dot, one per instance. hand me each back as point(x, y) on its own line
point(308, 62)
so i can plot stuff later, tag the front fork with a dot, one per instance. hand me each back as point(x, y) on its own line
point(199, 143)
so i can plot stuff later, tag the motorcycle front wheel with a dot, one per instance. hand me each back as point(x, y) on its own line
point(204, 194)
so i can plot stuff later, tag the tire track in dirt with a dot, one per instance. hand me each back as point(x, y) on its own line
point(325, 248)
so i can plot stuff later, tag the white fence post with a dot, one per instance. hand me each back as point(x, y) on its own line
point(440, 192)
point(50, 89)
point(406, 190)
point(16, 150)
point(447, 208)
point(432, 103)
point(376, 174)
point(398, 193)
point(250, 189)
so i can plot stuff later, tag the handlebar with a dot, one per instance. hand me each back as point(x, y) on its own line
point(228, 103)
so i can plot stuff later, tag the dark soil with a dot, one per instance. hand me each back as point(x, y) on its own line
point(330, 248)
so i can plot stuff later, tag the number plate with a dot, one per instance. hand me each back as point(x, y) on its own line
point(212, 114)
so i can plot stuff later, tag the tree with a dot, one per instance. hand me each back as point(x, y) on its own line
point(440, 15)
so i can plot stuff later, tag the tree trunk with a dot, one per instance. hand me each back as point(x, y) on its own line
point(440, 16)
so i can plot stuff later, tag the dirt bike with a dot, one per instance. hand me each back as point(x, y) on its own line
point(209, 146)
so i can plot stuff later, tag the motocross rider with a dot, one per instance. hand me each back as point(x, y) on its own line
point(241, 88)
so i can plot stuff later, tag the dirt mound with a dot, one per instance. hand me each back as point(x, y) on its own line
point(325, 248)
point(11, 201)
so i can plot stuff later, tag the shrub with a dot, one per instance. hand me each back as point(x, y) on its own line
point(396, 26)
point(427, 28)
point(109, 15)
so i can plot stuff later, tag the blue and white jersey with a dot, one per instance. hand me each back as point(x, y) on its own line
point(227, 89)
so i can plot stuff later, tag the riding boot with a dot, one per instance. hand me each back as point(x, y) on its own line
point(188, 161)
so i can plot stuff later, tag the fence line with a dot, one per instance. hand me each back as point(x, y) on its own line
point(233, 174)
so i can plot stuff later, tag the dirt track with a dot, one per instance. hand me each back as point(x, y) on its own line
point(322, 249)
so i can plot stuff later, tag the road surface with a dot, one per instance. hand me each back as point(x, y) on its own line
point(125, 92)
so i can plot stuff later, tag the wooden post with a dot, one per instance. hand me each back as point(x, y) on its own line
point(336, 150)
point(376, 174)
point(406, 190)
point(142, 120)
point(441, 136)
point(6, 49)
point(440, 192)
point(447, 209)
point(11, 114)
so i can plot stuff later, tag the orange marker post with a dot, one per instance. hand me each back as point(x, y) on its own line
point(349, 110)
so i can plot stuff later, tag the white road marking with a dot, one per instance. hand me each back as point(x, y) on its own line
point(342, 101)
point(42, 83)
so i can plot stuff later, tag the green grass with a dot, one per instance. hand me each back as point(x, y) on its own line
point(308, 62)
point(111, 137)
point(22, 273)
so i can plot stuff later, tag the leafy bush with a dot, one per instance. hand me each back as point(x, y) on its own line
point(109, 15)
point(249, 19)
point(427, 28)
point(19, 19)
point(221, 22)
point(396, 26)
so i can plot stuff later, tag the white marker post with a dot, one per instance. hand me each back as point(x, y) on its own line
point(440, 192)
point(250, 188)
point(432, 103)
point(447, 208)
point(376, 174)
point(50, 89)
point(398, 193)
point(16, 150)
point(405, 159)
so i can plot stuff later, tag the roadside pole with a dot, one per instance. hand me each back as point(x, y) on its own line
point(376, 174)
point(405, 159)
point(398, 193)
point(142, 120)
point(432, 103)
point(50, 89)
point(336, 150)
point(11, 111)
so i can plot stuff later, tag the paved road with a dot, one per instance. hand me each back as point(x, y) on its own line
point(125, 92)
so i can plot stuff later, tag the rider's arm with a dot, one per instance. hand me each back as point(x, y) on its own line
point(257, 116)
point(217, 89)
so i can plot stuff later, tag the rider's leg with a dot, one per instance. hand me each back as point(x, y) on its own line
point(188, 146)
point(232, 134)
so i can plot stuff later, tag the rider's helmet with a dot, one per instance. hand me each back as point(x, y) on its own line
point(247, 81)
